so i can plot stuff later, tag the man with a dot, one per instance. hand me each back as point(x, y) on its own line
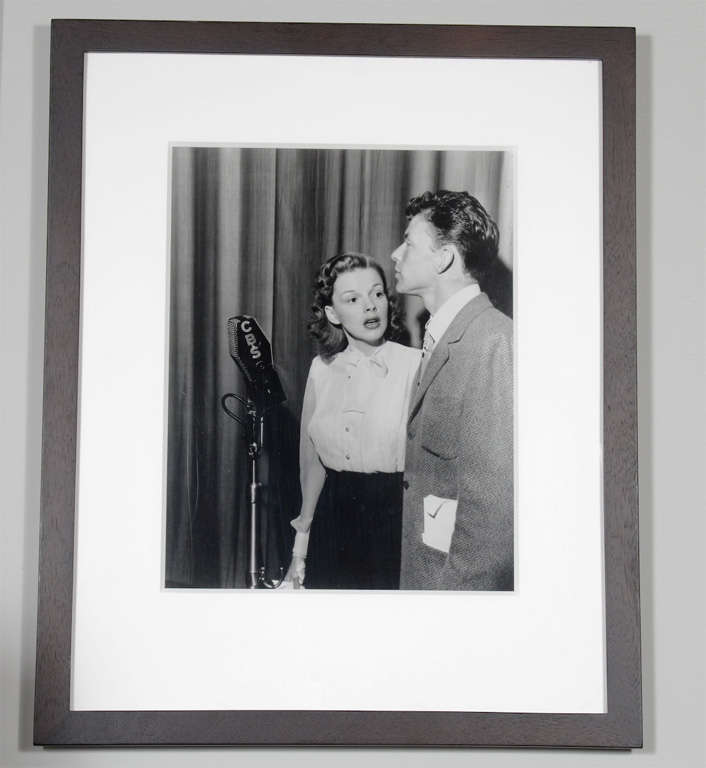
point(457, 528)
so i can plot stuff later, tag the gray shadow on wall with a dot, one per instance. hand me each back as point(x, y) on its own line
point(645, 362)
point(33, 387)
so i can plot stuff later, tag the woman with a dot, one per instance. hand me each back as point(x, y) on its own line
point(353, 432)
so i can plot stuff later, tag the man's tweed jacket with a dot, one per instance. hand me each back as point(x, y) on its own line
point(460, 446)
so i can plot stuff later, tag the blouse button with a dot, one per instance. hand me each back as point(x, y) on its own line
point(348, 429)
point(348, 457)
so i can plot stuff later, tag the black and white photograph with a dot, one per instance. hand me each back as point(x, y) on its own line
point(215, 214)
point(342, 350)
point(340, 369)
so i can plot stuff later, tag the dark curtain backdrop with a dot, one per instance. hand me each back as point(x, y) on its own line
point(249, 229)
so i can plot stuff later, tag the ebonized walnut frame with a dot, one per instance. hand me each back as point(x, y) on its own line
point(55, 723)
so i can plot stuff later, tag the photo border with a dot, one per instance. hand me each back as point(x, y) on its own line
point(55, 723)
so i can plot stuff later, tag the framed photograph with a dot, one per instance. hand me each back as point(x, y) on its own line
point(340, 387)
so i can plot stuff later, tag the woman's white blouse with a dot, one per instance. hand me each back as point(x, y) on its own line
point(360, 407)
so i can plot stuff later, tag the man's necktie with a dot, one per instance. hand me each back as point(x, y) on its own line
point(427, 347)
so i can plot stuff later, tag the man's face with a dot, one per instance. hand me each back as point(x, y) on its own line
point(415, 270)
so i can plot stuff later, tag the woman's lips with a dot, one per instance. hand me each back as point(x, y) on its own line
point(372, 323)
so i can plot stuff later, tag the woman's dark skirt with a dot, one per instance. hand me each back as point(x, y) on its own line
point(356, 533)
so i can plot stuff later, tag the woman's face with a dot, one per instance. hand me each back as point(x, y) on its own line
point(359, 304)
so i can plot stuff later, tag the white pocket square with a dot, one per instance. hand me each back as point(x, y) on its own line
point(439, 522)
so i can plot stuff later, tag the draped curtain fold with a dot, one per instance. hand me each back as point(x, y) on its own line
point(249, 229)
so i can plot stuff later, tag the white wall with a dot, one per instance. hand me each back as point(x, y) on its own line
point(671, 156)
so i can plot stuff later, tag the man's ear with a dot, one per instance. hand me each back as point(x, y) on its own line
point(445, 257)
point(332, 315)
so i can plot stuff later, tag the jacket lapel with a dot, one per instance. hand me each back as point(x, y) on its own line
point(440, 355)
point(437, 361)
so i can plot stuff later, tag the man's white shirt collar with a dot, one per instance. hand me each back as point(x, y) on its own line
point(440, 321)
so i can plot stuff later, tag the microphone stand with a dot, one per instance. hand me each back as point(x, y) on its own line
point(254, 434)
point(254, 451)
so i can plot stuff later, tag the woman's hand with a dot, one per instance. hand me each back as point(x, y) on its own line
point(296, 571)
point(302, 523)
point(297, 568)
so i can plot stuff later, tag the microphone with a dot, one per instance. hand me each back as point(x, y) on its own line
point(251, 351)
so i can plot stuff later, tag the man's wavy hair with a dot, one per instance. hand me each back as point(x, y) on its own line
point(461, 220)
point(331, 339)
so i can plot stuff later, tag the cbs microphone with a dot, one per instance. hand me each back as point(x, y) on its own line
point(251, 351)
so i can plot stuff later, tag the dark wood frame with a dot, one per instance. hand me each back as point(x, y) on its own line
point(55, 723)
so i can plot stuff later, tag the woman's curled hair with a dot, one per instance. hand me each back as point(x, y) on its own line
point(331, 339)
